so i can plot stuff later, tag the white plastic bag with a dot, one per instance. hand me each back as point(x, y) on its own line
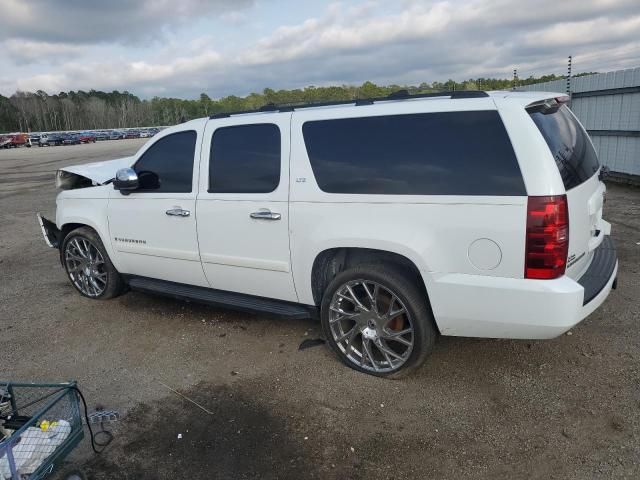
point(34, 447)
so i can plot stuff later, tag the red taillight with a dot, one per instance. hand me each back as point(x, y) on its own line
point(547, 242)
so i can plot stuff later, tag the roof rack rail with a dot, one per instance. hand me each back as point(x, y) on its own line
point(397, 95)
point(269, 107)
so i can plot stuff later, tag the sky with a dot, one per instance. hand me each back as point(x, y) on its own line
point(182, 48)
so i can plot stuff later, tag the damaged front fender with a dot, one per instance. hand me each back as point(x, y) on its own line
point(90, 174)
point(70, 181)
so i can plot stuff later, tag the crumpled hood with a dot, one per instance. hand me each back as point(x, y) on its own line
point(100, 172)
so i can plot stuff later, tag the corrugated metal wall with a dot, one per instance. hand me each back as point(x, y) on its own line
point(608, 105)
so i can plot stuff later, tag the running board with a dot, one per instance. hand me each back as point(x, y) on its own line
point(221, 298)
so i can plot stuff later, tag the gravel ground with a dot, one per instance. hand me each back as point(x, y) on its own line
point(567, 408)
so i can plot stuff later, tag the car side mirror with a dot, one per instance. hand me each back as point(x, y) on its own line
point(126, 180)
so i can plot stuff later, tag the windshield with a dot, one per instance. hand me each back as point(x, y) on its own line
point(569, 143)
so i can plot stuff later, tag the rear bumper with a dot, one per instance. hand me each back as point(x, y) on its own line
point(496, 307)
point(599, 272)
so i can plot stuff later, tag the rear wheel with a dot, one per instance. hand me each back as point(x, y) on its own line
point(89, 267)
point(377, 320)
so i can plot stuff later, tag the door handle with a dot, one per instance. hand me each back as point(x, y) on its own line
point(265, 214)
point(178, 212)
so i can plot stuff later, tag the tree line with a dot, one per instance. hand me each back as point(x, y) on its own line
point(39, 111)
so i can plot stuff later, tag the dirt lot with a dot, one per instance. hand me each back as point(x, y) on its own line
point(568, 408)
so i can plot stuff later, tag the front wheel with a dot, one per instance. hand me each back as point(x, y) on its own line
point(378, 321)
point(89, 267)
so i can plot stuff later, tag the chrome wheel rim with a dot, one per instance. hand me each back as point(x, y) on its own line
point(85, 266)
point(371, 326)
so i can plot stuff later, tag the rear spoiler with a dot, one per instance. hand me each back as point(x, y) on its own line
point(548, 105)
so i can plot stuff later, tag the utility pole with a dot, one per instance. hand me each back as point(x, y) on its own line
point(569, 77)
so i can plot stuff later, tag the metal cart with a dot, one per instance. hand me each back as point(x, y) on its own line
point(40, 424)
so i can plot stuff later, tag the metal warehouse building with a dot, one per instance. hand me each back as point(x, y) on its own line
point(608, 105)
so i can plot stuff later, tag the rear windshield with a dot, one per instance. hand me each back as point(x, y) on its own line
point(576, 159)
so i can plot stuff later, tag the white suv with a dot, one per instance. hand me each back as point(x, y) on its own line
point(394, 220)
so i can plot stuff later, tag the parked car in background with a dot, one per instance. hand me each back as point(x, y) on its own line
point(71, 139)
point(87, 137)
point(132, 134)
point(115, 135)
point(14, 140)
point(145, 134)
point(100, 136)
point(51, 139)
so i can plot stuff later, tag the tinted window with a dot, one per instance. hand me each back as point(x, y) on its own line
point(245, 159)
point(171, 158)
point(447, 153)
point(576, 159)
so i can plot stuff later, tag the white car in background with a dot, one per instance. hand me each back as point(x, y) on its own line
point(394, 220)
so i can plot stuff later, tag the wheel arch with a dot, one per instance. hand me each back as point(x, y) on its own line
point(330, 262)
point(66, 229)
point(71, 223)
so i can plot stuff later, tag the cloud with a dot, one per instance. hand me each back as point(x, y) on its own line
point(235, 17)
point(25, 52)
point(405, 42)
point(92, 21)
point(602, 31)
point(140, 74)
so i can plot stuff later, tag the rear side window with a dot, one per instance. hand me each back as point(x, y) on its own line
point(575, 156)
point(445, 153)
point(171, 158)
point(245, 159)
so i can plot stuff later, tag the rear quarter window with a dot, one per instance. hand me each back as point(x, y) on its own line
point(569, 144)
point(445, 153)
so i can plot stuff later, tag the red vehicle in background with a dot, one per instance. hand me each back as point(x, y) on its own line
point(86, 137)
point(132, 134)
point(14, 140)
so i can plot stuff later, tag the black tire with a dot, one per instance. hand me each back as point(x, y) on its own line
point(412, 297)
point(115, 285)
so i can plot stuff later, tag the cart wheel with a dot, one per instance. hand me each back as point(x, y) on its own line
point(75, 476)
point(72, 474)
